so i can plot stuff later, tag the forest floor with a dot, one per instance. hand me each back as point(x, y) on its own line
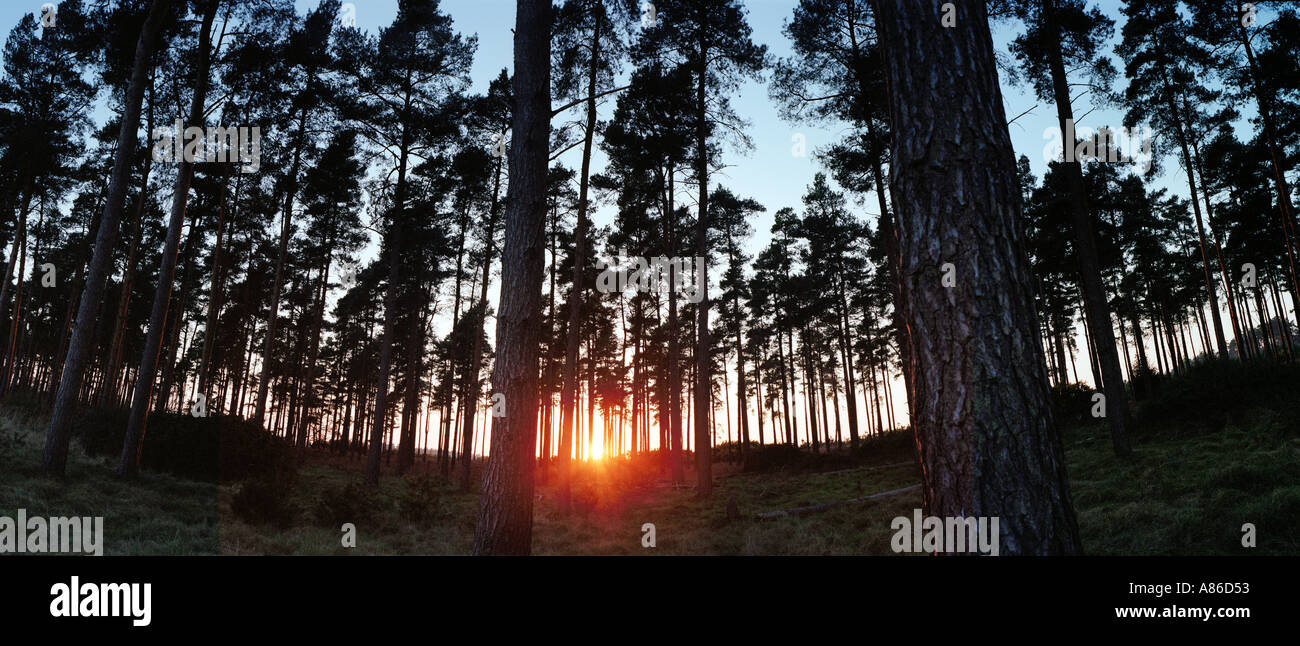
point(1176, 495)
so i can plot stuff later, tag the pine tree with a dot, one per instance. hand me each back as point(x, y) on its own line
point(505, 516)
point(984, 425)
point(55, 456)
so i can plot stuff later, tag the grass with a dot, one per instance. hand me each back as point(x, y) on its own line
point(1181, 492)
point(1187, 496)
point(617, 504)
point(154, 514)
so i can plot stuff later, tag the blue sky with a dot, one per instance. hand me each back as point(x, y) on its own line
point(769, 173)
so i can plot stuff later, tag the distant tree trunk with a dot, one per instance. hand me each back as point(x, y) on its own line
point(505, 519)
point(984, 427)
point(888, 232)
point(171, 344)
point(674, 349)
point(570, 385)
point(1085, 252)
point(286, 229)
point(742, 403)
point(1264, 102)
point(1180, 128)
point(1230, 294)
point(846, 356)
point(118, 330)
point(133, 443)
point(214, 296)
point(55, 456)
point(19, 247)
point(444, 417)
point(703, 365)
point(16, 249)
point(472, 382)
point(313, 346)
point(70, 311)
point(758, 393)
point(396, 238)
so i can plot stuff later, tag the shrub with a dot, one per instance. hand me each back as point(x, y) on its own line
point(350, 503)
point(892, 446)
point(212, 449)
point(730, 451)
point(10, 443)
point(1214, 392)
point(1072, 404)
point(420, 500)
point(772, 457)
point(265, 500)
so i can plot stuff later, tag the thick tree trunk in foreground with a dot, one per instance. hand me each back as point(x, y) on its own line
point(984, 427)
point(56, 441)
point(505, 519)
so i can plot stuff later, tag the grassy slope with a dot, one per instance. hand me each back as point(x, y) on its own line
point(156, 514)
point(1177, 495)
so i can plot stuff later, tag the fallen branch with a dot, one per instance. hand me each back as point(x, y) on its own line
point(780, 513)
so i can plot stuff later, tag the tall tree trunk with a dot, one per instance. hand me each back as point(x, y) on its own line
point(1085, 251)
point(396, 238)
point(703, 366)
point(286, 229)
point(55, 456)
point(984, 425)
point(444, 421)
point(1264, 103)
point(19, 246)
point(16, 249)
point(505, 518)
point(133, 443)
point(118, 331)
point(171, 343)
point(214, 295)
point(674, 347)
point(313, 346)
point(846, 355)
point(472, 381)
point(571, 338)
point(888, 231)
point(1229, 293)
point(1180, 127)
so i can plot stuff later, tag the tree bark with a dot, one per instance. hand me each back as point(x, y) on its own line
point(505, 519)
point(984, 425)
